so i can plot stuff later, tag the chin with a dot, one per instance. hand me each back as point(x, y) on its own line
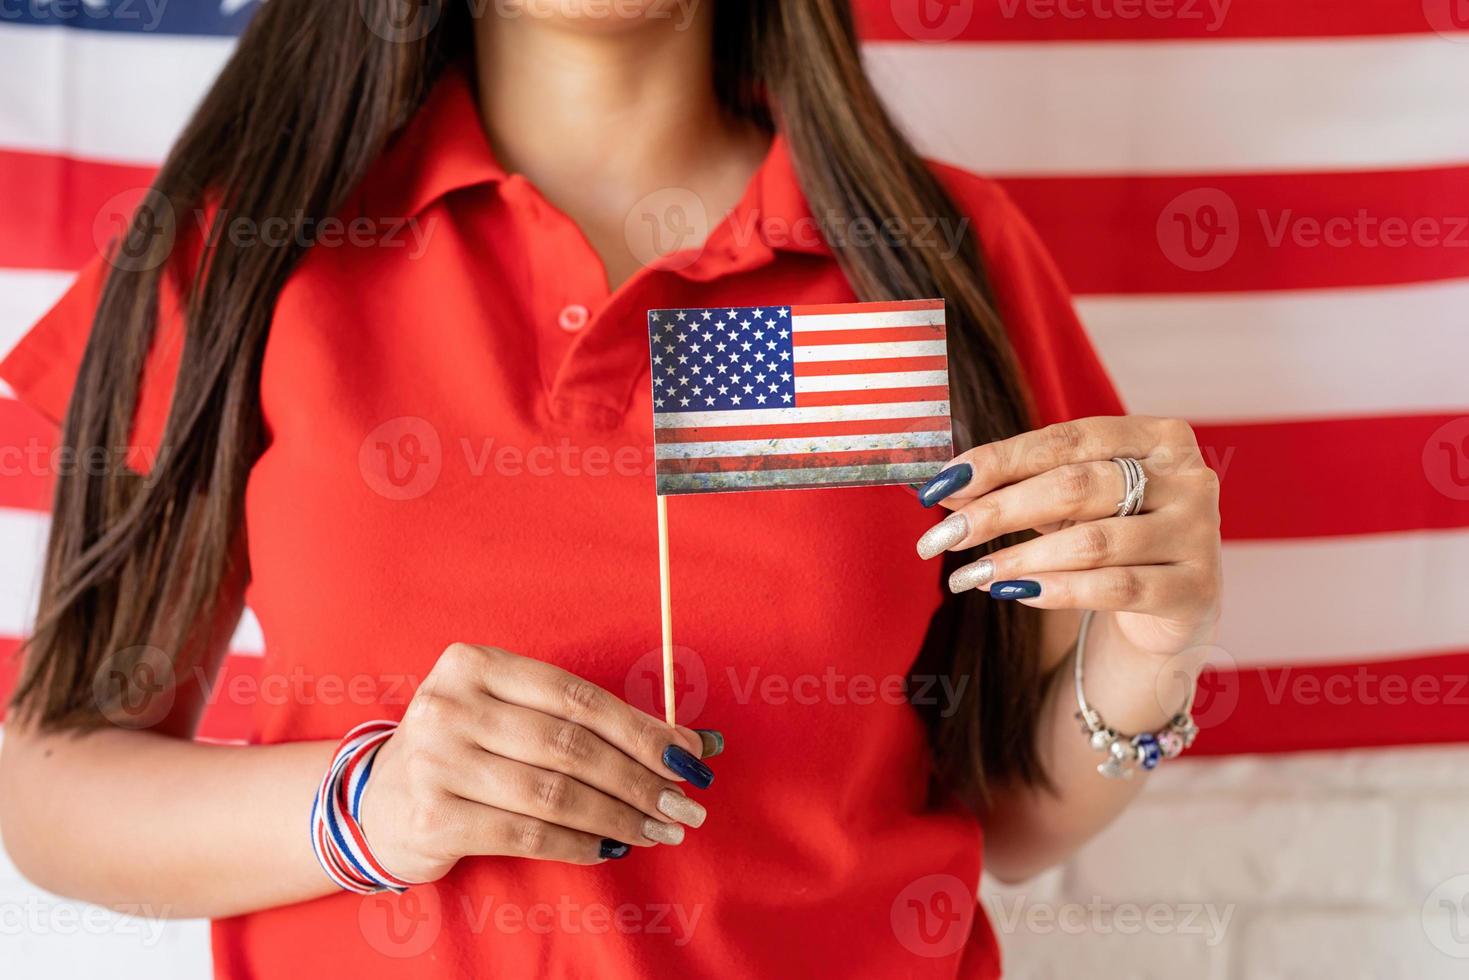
point(592, 16)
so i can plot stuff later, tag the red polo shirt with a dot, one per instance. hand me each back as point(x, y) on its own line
point(460, 449)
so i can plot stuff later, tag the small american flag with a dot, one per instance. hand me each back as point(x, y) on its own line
point(850, 394)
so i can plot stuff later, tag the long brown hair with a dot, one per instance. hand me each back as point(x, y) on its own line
point(312, 94)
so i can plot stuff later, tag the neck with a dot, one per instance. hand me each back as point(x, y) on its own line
point(600, 119)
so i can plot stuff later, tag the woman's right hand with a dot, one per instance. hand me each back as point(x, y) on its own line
point(499, 754)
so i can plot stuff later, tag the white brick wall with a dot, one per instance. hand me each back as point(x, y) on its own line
point(1341, 865)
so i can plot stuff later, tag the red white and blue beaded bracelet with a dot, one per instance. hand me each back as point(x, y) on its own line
point(1128, 753)
point(336, 831)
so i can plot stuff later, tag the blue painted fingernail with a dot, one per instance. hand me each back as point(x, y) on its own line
point(613, 849)
point(945, 483)
point(1018, 589)
point(682, 761)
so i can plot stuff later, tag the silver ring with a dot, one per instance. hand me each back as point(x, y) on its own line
point(1135, 482)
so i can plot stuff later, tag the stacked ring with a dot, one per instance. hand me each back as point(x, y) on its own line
point(1135, 482)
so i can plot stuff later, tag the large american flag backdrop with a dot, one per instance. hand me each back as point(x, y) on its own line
point(1261, 206)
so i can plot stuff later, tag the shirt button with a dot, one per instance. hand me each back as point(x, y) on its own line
point(573, 318)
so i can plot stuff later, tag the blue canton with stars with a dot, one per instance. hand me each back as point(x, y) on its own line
point(729, 358)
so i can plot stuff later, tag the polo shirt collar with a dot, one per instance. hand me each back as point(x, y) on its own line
point(444, 149)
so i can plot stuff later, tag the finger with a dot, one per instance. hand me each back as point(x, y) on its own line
point(1157, 590)
point(556, 798)
point(465, 828)
point(1152, 539)
point(1029, 454)
point(1074, 492)
point(550, 690)
point(562, 746)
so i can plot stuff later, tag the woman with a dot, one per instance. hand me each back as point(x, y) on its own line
point(426, 470)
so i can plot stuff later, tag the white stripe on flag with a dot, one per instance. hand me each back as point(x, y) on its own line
point(1282, 355)
point(108, 95)
point(1345, 599)
point(24, 297)
point(1208, 107)
point(22, 550)
point(867, 382)
point(814, 444)
point(1216, 106)
point(868, 352)
point(866, 321)
point(794, 416)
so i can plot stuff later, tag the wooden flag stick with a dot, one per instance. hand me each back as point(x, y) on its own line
point(668, 691)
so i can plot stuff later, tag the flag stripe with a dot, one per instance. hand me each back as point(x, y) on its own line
point(1236, 107)
point(835, 476)
point(1414, 700)
point(1333, 477)
point(883, 366)
point(928, 393)
point(877, 320)
point(1289, 354)
point(790, 430)
point(1350, 598)
point(864, 382)
point(864, 309)
point(1315, 621)
point(1281, 480)
point(860, 352)
point(872, 335)
point(22, 547)
point(806, 461)
point(1103, 20)
point(124, 98)
point(1104, 231)
point(804, 444)
point(786, 416)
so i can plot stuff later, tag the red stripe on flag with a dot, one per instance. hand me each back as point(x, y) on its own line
point(876, 365)
point(897, 306)
point(797, 430)
point(9, 670)
point(1119, 20)
point(820, 399)
point(877, 335)
point(802, 461)
point(52, 205)
point(1271, 231)
point(1336, 477)
point(1334, 706)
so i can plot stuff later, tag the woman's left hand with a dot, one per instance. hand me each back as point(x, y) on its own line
point(1157, 570)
